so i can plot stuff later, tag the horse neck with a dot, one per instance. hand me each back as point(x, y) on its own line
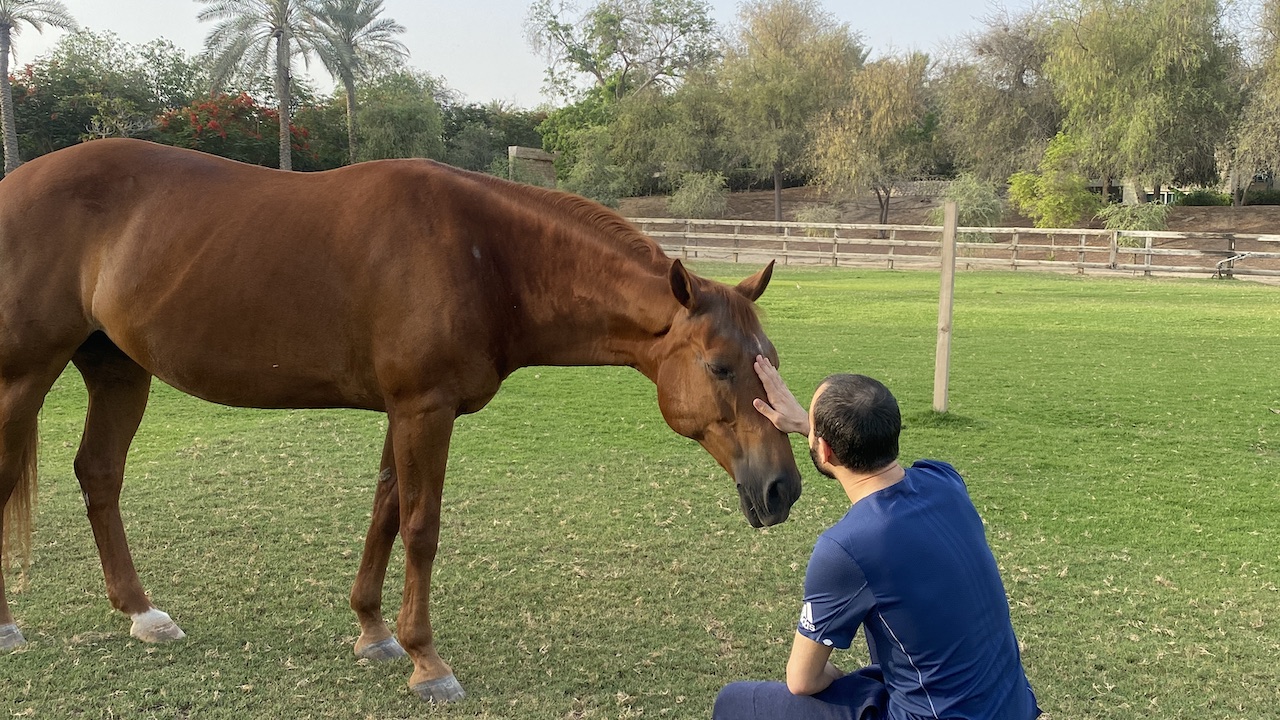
point(593, 302)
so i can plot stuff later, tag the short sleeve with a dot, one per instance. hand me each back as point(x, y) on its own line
point(836, 596)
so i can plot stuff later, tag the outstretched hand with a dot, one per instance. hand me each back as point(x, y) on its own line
point(782, 408)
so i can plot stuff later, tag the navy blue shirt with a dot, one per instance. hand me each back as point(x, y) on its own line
point(910, 564)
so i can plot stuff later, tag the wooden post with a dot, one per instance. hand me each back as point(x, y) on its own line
point(1115, 249)
point(1013, 258)
point(942, 359)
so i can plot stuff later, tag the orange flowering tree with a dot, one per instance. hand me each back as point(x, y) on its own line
point(233, 126)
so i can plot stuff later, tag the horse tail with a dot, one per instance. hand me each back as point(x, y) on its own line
point(18, 510)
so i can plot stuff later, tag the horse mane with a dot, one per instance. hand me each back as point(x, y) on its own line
point(599, 222)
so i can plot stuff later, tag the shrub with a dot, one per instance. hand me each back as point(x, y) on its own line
point(700, 195)
point(818, 213)
point(1203, 198)
point(978, 204)
point(1057, 195)
point(1262, 197)
point(1145, 216)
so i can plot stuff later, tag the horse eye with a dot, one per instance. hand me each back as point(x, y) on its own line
point(721, 372)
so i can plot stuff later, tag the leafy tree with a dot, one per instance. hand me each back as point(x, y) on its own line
point(400, 117)
point(997, 110)
point(96, 85)
point(700, 195)
point(1058, 194)
point(353, 41)
point(978, 204)
point(476, 137)
point(882, 135)
point(232, 126)
point(252, 35)
point(626, 45)
point(788, 65)
point(14, 14)
point(1255, 146)
point(1145, 85)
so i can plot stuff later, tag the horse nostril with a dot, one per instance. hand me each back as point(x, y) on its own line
point(776, 496)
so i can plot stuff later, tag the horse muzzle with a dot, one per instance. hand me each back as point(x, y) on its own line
point(766, 500)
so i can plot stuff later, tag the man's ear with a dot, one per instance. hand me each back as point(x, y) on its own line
point(825, 454)
point(753, 287)
point(684, 286)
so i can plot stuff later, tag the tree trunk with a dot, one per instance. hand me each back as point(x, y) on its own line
point(350, 85)
point(282, 95)
point(1106, 189)
point(11, 159)
point(777, 191)
point(882, 195)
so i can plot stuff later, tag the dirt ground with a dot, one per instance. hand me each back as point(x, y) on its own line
point(911, 210)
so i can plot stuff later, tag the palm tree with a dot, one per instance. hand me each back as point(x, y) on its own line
point(252, 33)
point(352, 41)
point(13, 14)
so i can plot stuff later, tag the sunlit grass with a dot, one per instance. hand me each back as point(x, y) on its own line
point(1120, 437)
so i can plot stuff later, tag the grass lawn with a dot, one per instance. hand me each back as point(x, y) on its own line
point(1121, 438)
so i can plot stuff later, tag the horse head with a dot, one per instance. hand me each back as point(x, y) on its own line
point(707, 382)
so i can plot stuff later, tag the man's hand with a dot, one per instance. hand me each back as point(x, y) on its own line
point(782, 409)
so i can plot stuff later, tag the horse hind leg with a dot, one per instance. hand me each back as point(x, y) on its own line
point(21, 396)
point(376, 641)
point(118, 389)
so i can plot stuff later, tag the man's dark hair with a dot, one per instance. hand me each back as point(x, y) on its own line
point(859, 419)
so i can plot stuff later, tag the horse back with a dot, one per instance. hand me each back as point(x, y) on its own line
point(250, 286)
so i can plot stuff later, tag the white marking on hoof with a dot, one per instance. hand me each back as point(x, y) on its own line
point(155, 626)
point(441, 690)
point(380, 651)
point(10, 638)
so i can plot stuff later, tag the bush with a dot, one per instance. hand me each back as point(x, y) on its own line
point(1145, 216)
point(1057, 195)
point(1203, 198)
point(1262, 197)
point(700, 195)
point(818, 213)
point(978, 204)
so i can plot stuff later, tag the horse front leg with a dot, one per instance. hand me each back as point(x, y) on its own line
point(420, 429)
point(376, 641)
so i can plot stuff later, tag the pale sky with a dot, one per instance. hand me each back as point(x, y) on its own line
point(478, 46)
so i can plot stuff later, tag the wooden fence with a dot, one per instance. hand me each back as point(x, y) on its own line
point(917, 246)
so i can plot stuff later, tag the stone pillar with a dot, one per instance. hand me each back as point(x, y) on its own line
point(531, 165)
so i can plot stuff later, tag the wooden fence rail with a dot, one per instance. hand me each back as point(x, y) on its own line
point(917, 246)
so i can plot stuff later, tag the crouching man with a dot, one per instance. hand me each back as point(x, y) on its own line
point(909, 563)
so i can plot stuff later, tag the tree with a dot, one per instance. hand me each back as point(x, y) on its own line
point(997, 111)
point(1255, 146)
point(250, 34)
point(96, 85)
point(401, 117)
point(788, 66)
point(627, 45)
point(13, 15)
point(353, 41)
point(882, 135)
point(1058, 194)
point(476, 137)
point(1145, 85)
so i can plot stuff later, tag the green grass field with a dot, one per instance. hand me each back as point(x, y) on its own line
point(1121, 438)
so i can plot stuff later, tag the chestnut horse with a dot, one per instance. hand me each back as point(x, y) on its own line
point(403, 286)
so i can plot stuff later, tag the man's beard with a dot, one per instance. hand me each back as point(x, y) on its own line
point(813, 455)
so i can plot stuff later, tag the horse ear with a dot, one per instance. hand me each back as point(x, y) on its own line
point(683, 286)
point(753, 287)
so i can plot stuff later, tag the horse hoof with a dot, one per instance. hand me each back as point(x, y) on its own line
point(155, 626)
point(10, 638)
point(381, 651)
point(441, 690)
